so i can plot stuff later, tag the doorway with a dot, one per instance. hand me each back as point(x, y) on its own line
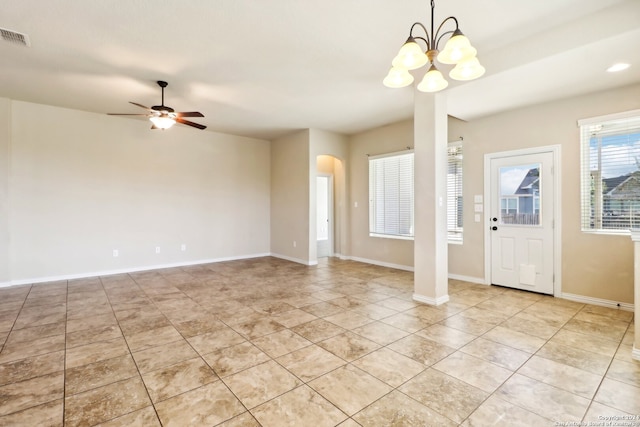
point(522, 216)
point(324, 218)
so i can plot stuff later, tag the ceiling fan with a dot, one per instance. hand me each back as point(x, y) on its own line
point(164, 117)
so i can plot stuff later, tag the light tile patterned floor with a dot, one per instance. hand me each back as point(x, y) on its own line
point(272, 343)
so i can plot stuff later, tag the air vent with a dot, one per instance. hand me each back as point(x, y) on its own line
point(15, 37)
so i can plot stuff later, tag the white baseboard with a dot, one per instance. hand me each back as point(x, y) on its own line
point(477, 280)
point(598, 301)
point(126, 270)
point(635, 353)
point(296, 260)
point(380, 263)
point(431, 301)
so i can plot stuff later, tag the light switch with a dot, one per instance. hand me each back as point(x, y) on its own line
point(477, 198)
point(478, 207)
point(476, 217)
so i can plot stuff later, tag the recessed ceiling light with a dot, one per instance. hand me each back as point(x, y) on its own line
point(618, 67)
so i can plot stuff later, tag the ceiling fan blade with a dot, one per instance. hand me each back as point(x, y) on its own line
point(140, 105)
point(188, 123)
point(125, 114)
point(189, 114)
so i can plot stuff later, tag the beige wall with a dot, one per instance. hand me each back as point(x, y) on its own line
point(597, 266)
point(5, 134)
point(293, 191)
point(386, 139)
point(325, 164)
point(84, 184)
point(76, 185)
point(290, 173)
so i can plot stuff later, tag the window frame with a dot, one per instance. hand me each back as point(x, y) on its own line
point(588, 128)
point(373, 212)
point(455, 199)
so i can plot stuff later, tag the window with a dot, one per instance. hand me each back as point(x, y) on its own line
point(391, 195)
point(508, 205)
point(454, 192)
point(611, 172)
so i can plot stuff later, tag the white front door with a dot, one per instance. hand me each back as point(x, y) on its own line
point(521, 221)
point(323, 220)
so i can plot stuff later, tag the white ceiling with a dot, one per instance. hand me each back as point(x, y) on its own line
point(265, 68)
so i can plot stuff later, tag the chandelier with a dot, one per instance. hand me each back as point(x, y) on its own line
point(457, 50)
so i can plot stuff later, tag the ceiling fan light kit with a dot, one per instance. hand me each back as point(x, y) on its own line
point(163, 117)
point(161, 122)
point(456, 51)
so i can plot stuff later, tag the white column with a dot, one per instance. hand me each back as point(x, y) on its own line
point(430, 197)
point(635, 236)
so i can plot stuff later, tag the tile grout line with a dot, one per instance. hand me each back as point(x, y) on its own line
point(345, 283)
point(200, 356)
point(604, 376)
point(130, 355)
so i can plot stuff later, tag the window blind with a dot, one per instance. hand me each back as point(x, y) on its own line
point(391, 195)
point(454, 191)
point(610, 172)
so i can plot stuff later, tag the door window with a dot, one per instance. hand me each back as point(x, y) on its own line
point(520, 194)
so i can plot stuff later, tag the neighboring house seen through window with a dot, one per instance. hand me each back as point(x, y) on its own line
point(611, 172)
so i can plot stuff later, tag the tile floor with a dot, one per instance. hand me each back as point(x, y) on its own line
point(266, 342)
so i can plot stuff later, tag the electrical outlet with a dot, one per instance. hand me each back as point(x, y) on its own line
point(116, 253)
point(183, 247)
point(295, 243)
point(157, 249)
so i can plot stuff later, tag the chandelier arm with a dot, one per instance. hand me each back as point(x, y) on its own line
point(426, 40)
point(442, 35)
point(435, 36)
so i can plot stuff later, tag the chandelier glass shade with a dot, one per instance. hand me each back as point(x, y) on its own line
point(410, 56)
point(398, 77)
point(433, 81)
point(457, 51)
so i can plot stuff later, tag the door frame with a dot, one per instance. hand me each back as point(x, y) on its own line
point(330, 203)
point(555, 150)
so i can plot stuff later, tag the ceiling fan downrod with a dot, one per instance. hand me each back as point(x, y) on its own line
point(162, 84)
